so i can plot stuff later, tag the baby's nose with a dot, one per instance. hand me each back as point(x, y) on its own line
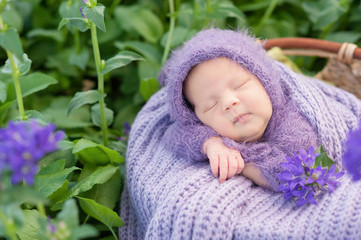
point(229, 102)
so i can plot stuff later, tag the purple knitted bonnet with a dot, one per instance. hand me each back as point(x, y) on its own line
point(215, 43)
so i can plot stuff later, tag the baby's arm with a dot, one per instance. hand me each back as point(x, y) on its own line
point(254, 173)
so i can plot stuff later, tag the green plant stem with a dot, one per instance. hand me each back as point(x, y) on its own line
point(266, 15)
point(114, 235)
point(15, 75)
point(114, 4)
point(98, 65)
point(170, 33)
point(209, 9)
point(1, 23)
point(10, 229)
point(325, 31)
point(41, 209)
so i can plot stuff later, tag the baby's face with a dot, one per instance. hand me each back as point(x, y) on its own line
point(229, 99)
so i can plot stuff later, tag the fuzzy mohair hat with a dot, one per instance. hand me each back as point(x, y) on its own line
point(208, 44)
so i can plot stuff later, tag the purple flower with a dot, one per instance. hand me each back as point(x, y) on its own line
point(308, 158)
point(330, 178)
point(51, 226)
point(352, 156)
point(86, 2)
point(23, 144)
point(126, 132)
point(81, 12)
point(126, 129)
point(317, 175)
point(304, 195)
point(294, 172)
point(301, 177)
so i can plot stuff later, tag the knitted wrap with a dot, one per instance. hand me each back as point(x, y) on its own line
point(167, 196)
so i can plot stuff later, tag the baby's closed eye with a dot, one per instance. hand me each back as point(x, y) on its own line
point(238, 86)
point(210, 106)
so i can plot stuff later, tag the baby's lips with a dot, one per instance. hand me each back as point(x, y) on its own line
point(241, 118)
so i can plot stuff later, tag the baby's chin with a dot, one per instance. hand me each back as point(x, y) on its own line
point(248, 138)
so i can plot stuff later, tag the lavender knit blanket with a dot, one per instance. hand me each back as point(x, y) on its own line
point(170, 198)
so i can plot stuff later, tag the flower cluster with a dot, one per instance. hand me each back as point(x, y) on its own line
point(303, 176)
point(352, 156)
point(22, 145)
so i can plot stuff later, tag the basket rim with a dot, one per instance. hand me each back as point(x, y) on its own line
point(325, 46)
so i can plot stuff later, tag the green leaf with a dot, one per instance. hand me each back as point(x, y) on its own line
point(79, 59)
point(59, 63)
point(96, 15)
point(246, 6)
point(78, 23)
point(147, 50)
point(121, 59)
point(142, 20)
point(21, 194)
point(96, 118)
point(104, 194)
point(82, 98)
point(84, 232)
point(146, 70)
point(343, 36)
point(69, 214)
point(99, 176)
point(52, 34)
point(30, 84)
point(148, 87)
point(12, 17)
point(126, 114)
point(180, 34)
point(323, 158)
point(223, 9)
point(13, 214)
point(64, 144)
point(59, 194)
point(323, 13)
point(57, 113)
point(10, 41)
point(37, 115)
point(52, 177)
point(96, 154)
point(23, 66)
point(31, 227)
point(70, 9)
point(101, 213)
point(119, 146)
point(4, 110)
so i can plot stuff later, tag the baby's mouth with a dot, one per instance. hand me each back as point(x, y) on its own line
point(241, 118)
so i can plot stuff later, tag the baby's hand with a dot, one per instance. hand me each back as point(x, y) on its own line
point(229, 161)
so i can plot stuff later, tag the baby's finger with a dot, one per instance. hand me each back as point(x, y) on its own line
point(232, 166)
point(223, 169)
point(214, 162)
point(240, 164)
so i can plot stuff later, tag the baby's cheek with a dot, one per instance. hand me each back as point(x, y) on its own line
point(225, 129)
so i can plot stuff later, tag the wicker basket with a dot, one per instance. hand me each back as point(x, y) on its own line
point(344, 65)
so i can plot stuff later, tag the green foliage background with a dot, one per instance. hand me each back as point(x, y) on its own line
point(62, 60)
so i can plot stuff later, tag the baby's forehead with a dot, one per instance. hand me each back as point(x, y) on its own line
point(210, 65)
